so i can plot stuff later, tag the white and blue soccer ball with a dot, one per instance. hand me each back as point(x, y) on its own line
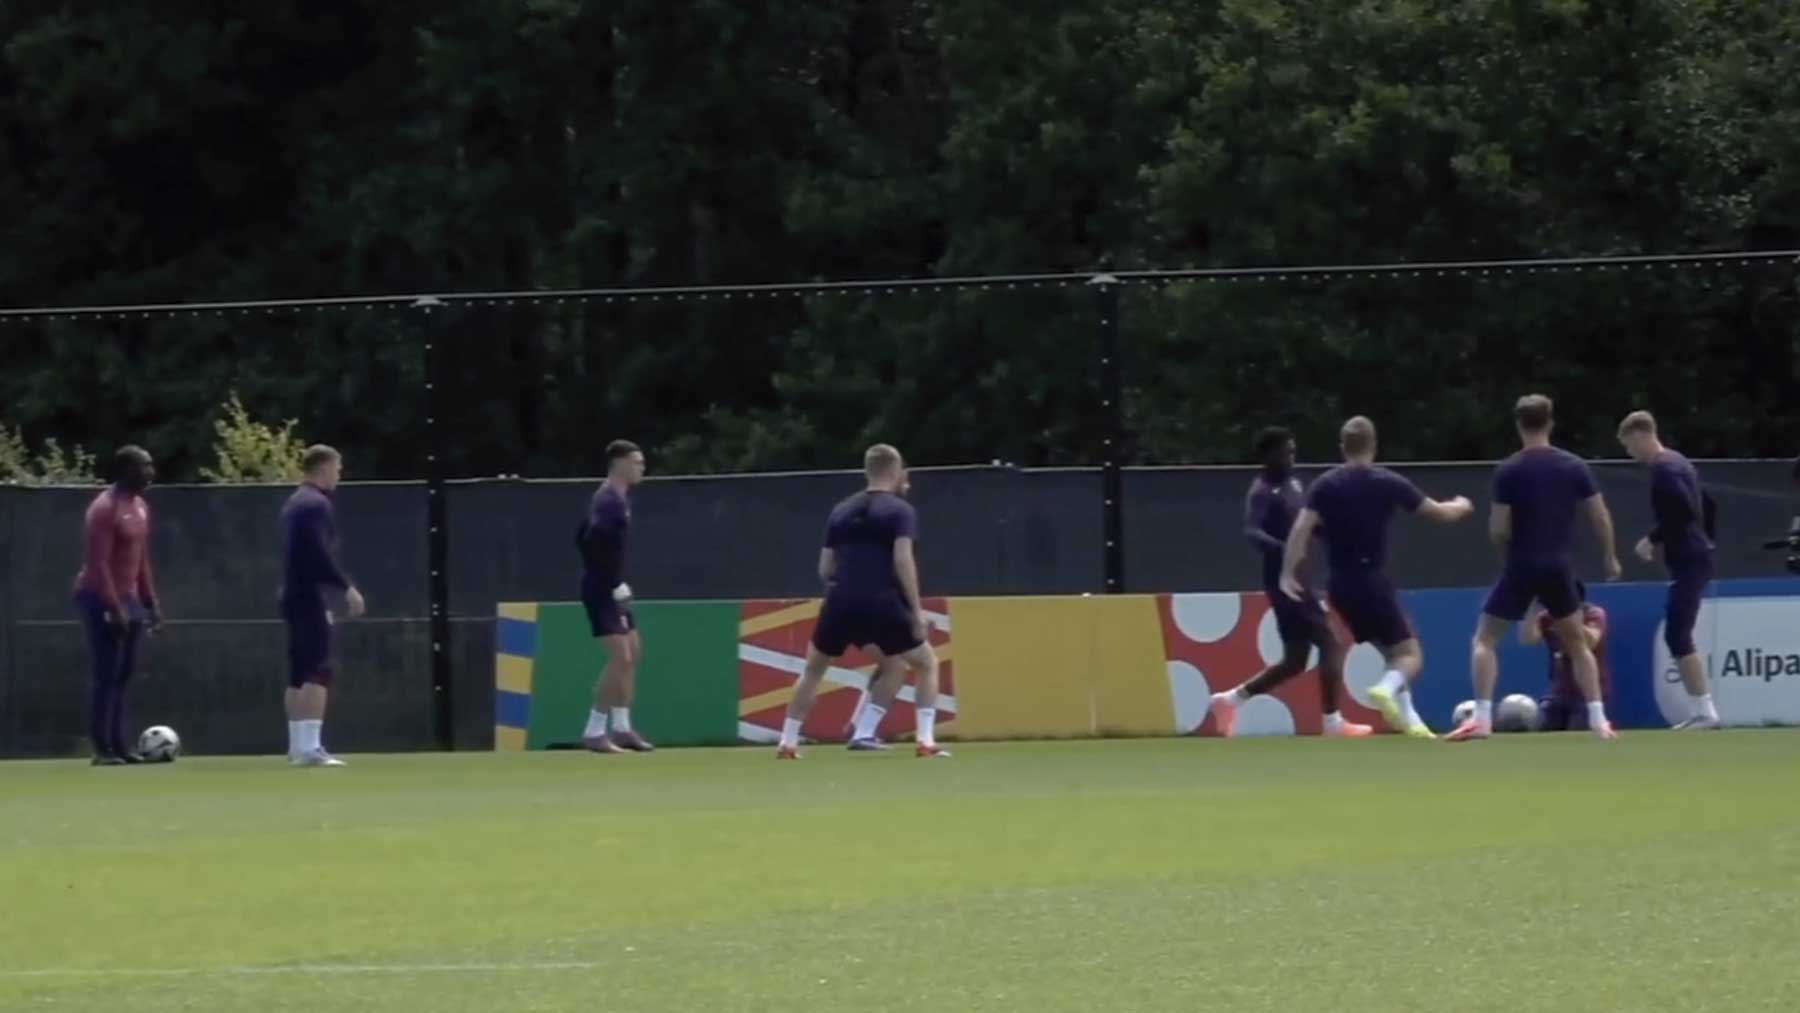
point(1463, 713)
point(159, 744)
point(1516, 713)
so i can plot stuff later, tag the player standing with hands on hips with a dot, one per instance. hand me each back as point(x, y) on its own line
point(1683, 532)
point(1538, 492)
point(309, 570)
point(116, 597)
point(607, 599)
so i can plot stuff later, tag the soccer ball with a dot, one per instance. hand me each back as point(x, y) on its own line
point(1464, 712)
point(160, 744)
point(1516, 713)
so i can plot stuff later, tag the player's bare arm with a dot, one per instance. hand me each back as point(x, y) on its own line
point(1500, 526)
point(1295, 554)
point(827, 565)
point(1451, 511)
point(1601, 518)
point(906, 568)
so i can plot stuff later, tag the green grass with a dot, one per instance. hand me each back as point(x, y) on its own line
point(1539, 872)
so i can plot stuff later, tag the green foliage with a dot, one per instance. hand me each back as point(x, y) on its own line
point(246, 450)
point(482, 145)
point(50, 464)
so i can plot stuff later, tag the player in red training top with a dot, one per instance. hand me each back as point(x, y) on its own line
point(116, 598)
point(1563, 709)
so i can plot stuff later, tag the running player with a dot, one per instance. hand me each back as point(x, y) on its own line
point(1681, 531)
point(309, 571)
point(607, 599)
point(1269, 510)
point(1352, 504)
point(116, 599)
point(1537, 494)
point(872, 599)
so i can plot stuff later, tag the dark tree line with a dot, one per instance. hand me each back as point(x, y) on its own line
point(176, 151)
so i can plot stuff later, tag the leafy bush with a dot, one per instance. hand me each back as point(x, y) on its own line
point(250, 451)
point(50, 464)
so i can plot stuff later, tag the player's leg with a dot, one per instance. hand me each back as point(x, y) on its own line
point(310, 675)
point(1484, 674)
point(625, 691)
point(923, 662)
point(806, 691)
point(1332, 654)
point(123, 744)
point(103, 662)
point(884, 684)
point(1562, 602)
point(1296, 647)
point(1392, 695)
point(1681, 614)
point(615, 678)
point(610, 624)
point(1295, 654)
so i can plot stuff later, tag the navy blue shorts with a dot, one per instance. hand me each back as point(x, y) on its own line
point(608, 618)
point(1687, 586)
point(310, 633)
point(1550, 586)
point(1300, 622)
point(884, 625)
point(1371, 609)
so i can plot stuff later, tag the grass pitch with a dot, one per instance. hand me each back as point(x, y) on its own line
point(1661, 872)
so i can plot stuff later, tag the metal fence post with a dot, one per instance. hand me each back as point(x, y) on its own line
point(1112, 396)
point(437, 544)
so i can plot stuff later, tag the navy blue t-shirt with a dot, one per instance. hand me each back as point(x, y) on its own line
point(1680, 509)
point(1544, 486)
point(309, 547)
point(861, 533)
point(1269, 512)
point(1354, 503)
point(603, 538)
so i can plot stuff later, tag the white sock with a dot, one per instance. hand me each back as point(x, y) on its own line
point(927, 726)
point(1405, 699)
point(310, 734)
point(1484, 712)
point(596, 725)
point(1705, 708)
point(1596, 714)
point(294, 738)
point(1236, 697)
point(621, 719)
point(1392, 681)
point(868, 721)
point(1334, 721)
point(790, 732)
point(862, 700)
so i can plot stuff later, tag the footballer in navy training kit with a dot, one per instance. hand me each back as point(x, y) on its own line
point(1271, 505)
point(871, 600)
point(1683, 531)
point(601, 540)
point(115, 596)
point(1351, 505)
point(310, 575)
point(1539, 494)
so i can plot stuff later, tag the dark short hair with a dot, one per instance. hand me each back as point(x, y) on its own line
point(1534, 413)
point(128, 455)
point(621, 448)
point(1581, 590)
point(1358, 435)
point(1272, 439)
point(318, 456)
